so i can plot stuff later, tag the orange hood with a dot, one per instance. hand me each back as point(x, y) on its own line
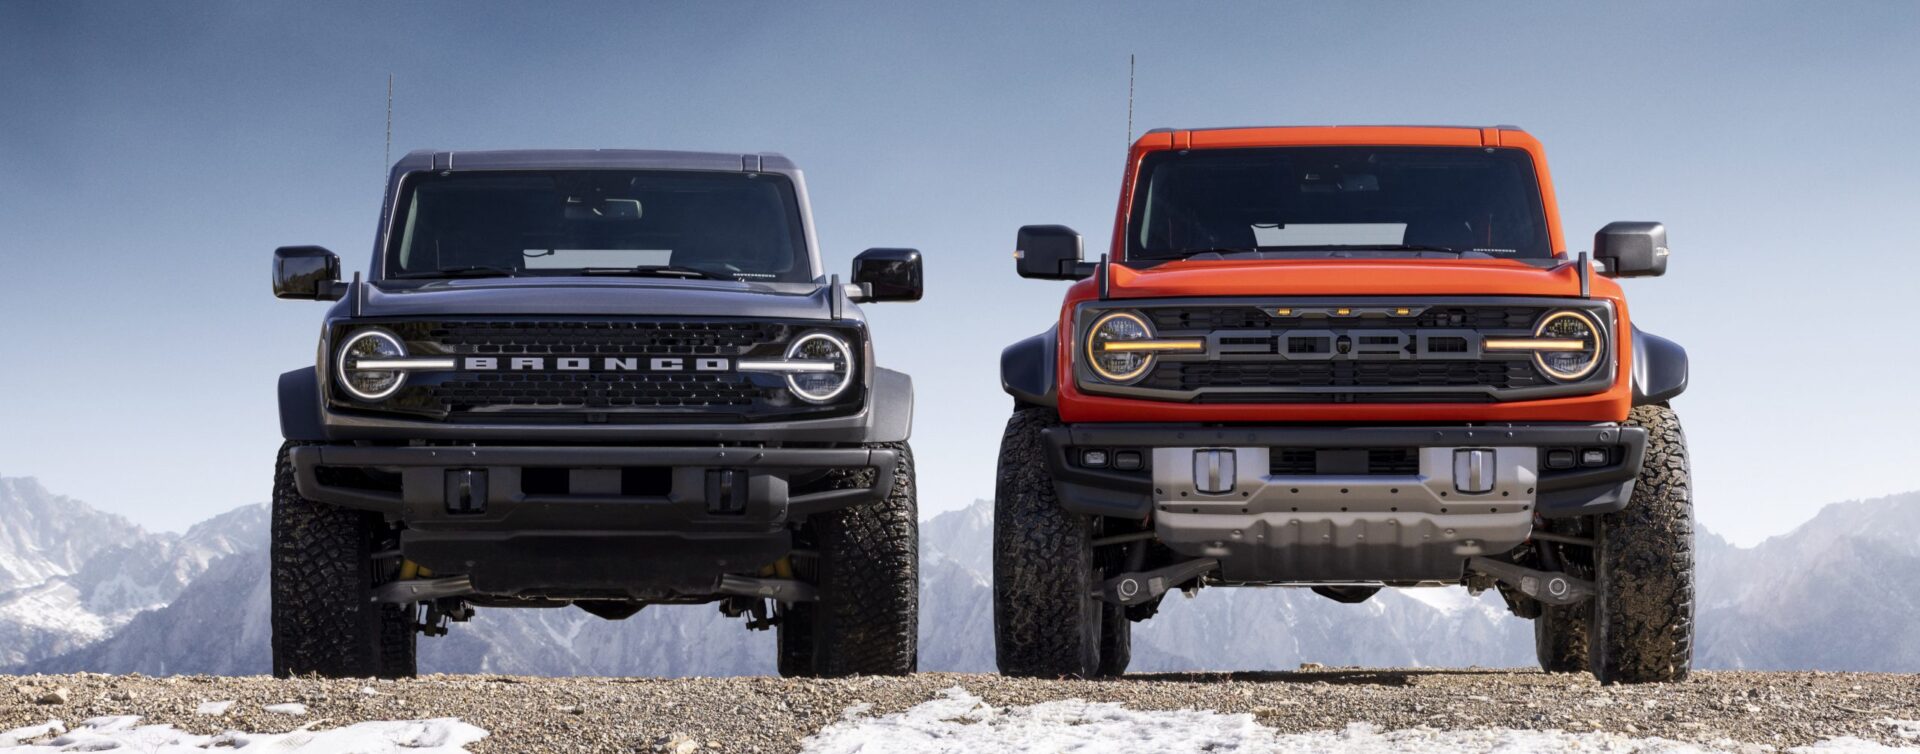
point(1353, 277)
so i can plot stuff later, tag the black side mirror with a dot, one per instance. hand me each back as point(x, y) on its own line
point(1050, 252)
point(888, 274)
point(1632, 250)
point(307, 272)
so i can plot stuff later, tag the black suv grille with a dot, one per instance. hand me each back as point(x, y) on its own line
point(591, 391)
point(603, 396)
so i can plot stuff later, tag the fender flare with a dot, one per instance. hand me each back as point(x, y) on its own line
point(1659, 368)
point(300, 406)
point(892, 407)
point(1027, 369)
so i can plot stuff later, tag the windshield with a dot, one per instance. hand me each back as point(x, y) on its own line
point(1462, 200)
point(689, 224)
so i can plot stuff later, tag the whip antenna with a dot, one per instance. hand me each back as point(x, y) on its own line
point(386, 158)
point(1129, 98)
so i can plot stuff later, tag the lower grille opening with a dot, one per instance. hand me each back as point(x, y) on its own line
point(1343, 462)
point(629, 481)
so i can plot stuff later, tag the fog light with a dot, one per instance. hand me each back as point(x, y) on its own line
point(1559, 459)
point(1593, 457)
point(1128, 460)
point(1093, 459)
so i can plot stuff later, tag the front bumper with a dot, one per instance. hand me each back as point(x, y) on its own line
point(1219, 492)
point(588, 521)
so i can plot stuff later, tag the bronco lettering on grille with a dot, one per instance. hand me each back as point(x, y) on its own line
point(595, 364)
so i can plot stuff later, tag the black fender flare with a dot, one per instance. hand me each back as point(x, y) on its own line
point(891, 407)
point(1659, 368)
point(1027, 369)
point(300, 406)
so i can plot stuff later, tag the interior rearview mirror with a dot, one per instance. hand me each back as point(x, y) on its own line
point(889, 274)
point(1632, 249)
point(1050, 252)
point(307, 272)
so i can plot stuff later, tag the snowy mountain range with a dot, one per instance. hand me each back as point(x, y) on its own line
point(85, 590)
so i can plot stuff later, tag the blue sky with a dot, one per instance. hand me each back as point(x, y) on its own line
point(152, 155)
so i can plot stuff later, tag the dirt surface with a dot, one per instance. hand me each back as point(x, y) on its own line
point(771, 714)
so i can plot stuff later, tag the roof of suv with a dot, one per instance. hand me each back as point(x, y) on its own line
point(594, 159)
point(1254, 136)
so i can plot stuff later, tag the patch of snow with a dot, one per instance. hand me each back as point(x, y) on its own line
point(289, 708)
point(213, 708)
point(958, 722)
point(438, 736)
point(18, 735)
point(1907, 729)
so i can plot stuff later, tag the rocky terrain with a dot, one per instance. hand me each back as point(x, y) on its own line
point(1718, 711)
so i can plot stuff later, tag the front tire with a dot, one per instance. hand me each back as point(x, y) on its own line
point(1046, 621)
point(868, 618)
point(1643, 609)
point(324, 619)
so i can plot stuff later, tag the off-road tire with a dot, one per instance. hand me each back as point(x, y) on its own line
point(1643, 609)
point(793, 640)
point(1046, 621)
point(323, 571)
point(1560, 636)
point(867, 621)
point(1116, 641)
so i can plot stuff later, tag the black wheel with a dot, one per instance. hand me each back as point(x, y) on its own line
point(1560, 637)
point(868, 618)
point(324, 572)
point(1643, 612)
point(1046, 621)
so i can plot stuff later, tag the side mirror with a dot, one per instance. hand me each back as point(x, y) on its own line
point(888, 274)
point(306, 272)
point(1050, 252)
point(1632, 250)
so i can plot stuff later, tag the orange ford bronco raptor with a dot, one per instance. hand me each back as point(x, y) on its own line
point(1344, 358)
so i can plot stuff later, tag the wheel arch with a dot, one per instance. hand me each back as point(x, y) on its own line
point(1027, 369)
point(1659, 368)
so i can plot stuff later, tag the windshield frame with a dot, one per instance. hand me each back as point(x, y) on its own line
point(386, 265)
point(1135, 202)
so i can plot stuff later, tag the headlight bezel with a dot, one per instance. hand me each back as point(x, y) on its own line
point(1596, 353)
point(345, 377)
point(1092, 339)
point(849, 366)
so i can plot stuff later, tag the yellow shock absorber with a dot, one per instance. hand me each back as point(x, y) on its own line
point(783, 567)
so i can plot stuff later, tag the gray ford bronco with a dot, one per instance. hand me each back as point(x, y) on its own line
point(599, 379)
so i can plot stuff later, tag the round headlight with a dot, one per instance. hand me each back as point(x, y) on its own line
point(1118, 366)
point(821, 385)
point(369, 385)
point(1569, 363)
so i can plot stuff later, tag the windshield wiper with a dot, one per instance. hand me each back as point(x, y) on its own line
point(652, 270)
point(472, 271)
point(1370, 247)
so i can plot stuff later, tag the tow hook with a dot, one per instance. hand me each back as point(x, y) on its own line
point(1145, 586)
point(1546, 586)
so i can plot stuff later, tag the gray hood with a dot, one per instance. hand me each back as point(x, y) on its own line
point(599, 296)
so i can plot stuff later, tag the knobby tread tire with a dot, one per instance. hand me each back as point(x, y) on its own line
point(324, 620)
point(1560, 638)
point(1116, 641)
point(868, 618)
point(1643, 613)
point(1046, 622)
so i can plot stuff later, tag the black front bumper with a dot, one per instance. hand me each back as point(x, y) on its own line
point(472, 510)
point(1130, 494)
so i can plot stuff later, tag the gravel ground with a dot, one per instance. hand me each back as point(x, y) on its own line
point(771, 714)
